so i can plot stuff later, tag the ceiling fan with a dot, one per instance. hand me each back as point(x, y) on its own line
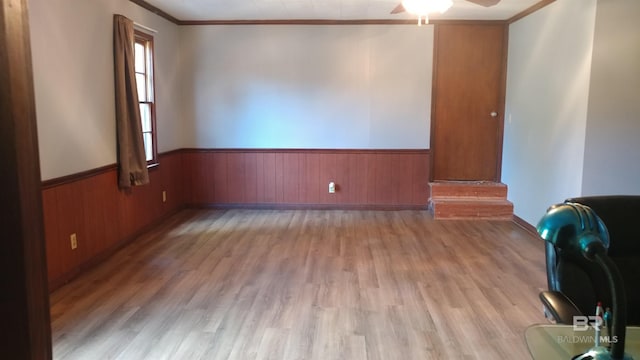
point(423, 7)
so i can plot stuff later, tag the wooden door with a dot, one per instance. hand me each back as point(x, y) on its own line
point(468, 101)
point(24, 297)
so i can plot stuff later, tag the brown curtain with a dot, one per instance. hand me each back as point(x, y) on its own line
point(132, 162)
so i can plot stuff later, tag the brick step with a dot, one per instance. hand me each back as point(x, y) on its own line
point(464, 208)
point(468, 189)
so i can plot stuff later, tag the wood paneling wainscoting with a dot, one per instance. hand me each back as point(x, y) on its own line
point(300, 178)
point(104, 218)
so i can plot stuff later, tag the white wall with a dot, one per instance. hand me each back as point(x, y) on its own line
point(548, 74)
point(72, 50)
point(612, 153)
point(305, 86)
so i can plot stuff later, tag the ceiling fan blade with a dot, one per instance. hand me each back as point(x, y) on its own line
point(485, 3)
point(398, 9)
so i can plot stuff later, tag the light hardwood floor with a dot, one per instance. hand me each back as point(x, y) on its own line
point(280, 284)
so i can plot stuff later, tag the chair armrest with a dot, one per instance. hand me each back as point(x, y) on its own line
point(560, 307)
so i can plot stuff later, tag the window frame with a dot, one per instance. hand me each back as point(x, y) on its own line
point(146, 40)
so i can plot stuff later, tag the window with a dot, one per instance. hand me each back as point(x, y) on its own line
point(144, 82)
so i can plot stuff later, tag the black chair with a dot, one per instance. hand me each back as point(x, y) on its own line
point(577, 284)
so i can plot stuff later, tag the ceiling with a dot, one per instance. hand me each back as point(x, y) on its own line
point(327, 9)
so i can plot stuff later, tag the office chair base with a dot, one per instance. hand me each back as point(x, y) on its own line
point(599, 353)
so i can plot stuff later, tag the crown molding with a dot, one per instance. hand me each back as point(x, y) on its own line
point(335, 22)
point(144, 4)
point(530, 10)
point(156, 11)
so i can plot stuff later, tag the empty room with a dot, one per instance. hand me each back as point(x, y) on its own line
point(320, 179)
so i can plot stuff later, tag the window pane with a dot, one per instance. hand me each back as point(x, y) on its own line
point(141, 83)
point(145, 117)
point(148, 146)
point(143, 52)
point(139, 56)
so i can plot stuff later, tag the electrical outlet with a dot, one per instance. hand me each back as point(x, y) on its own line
point(164, 196)
point(74, 241)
